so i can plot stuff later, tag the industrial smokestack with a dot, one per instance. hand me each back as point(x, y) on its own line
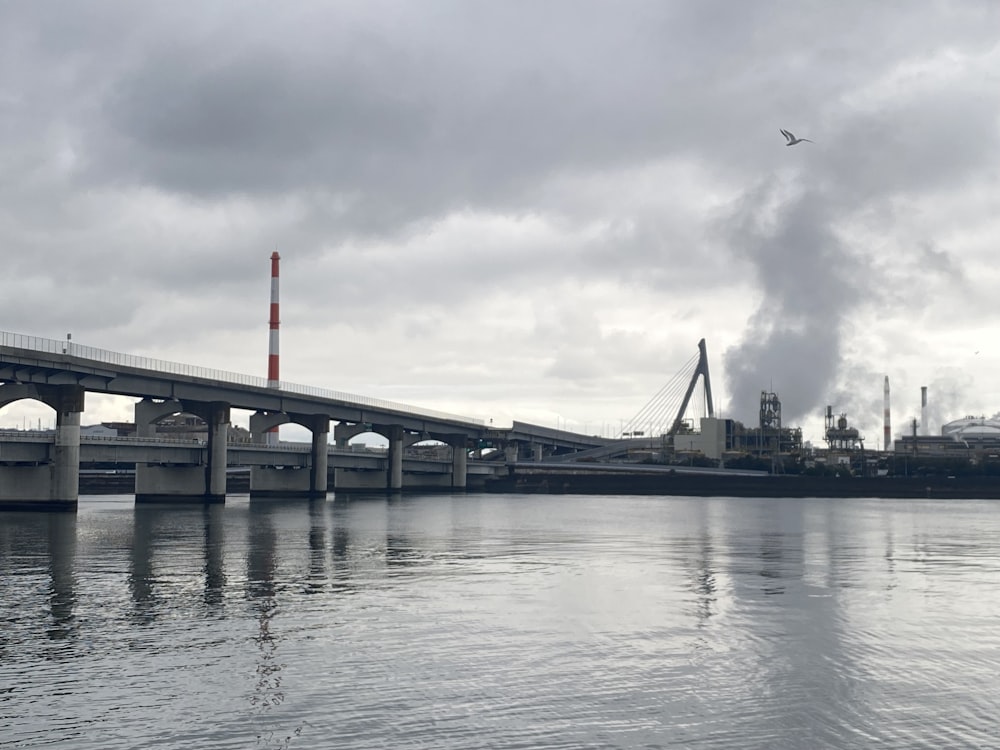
point(923, 410)
point(273, 380)
point(886, 429)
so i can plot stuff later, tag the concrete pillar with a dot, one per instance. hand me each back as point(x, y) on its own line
point(395, 473)
point(536, 449)
point(66, 453)
point(459, 464)
point(217, 417)
point(510, 453)
point(318, 466)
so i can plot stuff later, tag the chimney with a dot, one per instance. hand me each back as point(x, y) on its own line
point(273, 380)
point(923, 410)
point(886, 429)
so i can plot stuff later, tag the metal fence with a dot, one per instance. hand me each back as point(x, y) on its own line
point(118, 359)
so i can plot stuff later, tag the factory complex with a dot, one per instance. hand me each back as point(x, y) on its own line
point(965, 444)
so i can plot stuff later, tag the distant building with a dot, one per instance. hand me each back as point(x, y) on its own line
point(722, 438)
point(122, 429)
point(971, 437)
point(97, 430)
point(182, 427)
point(972, 427)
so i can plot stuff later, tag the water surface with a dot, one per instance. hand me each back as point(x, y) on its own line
point(502, 621)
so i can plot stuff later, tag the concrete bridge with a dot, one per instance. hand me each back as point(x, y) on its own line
point(348, 468)
point(61, 373)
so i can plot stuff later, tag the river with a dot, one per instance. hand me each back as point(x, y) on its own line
point(502, 621)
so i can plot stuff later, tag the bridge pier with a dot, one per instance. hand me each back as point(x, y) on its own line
point(216, 414)
point(319, 465)
point(394, 433)
point(459, 460)
point(294, 481)
point(55, 485)
point(189, 483)
point(66, 450)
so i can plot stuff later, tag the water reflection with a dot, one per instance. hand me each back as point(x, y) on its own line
point(213, 517)
point(401, 551)
point(704, 580)
point(771, 562)
point(164, 542)
point(503, 621)
point(317, 546)
point(62, 574)
point(262, 557)
point(141, 579)
point(263, 591)
point(39, 547)
point(340, 543)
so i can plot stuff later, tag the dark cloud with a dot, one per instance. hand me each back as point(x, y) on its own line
point(528, 171)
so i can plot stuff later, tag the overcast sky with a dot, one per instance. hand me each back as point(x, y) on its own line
point(515, 210)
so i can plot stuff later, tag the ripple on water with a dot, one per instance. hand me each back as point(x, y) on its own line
point(501, 621)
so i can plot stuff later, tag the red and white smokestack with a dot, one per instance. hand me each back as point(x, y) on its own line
point(886, 429)
point(273, 379)
point(272, 344)
point(923, 410)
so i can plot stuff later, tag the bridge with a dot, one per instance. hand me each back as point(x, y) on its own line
point(424, 467)
point(61, 373)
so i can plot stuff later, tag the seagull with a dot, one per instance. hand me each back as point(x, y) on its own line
point(792, 140)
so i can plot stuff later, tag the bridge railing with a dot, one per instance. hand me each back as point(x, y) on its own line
point(48, 436)
point(119, 359)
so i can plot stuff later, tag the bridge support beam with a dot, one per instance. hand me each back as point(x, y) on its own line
point(55, 485)
point(190, 483)
point(262, 422)
point(344, 431)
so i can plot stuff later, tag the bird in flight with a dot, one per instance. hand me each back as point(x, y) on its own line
point(792, 140)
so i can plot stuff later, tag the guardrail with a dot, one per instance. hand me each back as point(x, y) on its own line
point(45, 436)
point(48, 436)
point(119, 359)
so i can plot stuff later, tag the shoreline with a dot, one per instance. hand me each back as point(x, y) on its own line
point(768, 485)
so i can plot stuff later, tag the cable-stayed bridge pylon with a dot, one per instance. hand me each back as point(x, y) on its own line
point(663, 414)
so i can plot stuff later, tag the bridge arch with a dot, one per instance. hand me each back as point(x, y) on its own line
point(261, 422)
point(45, 394)
point(58, 483)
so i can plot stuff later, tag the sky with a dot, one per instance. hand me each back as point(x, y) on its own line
point(515, 210)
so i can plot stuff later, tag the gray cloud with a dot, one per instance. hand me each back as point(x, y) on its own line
point(564, 177)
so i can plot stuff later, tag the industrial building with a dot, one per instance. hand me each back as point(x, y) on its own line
point(962, 444)
point(970, 437)
point(723, 439)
